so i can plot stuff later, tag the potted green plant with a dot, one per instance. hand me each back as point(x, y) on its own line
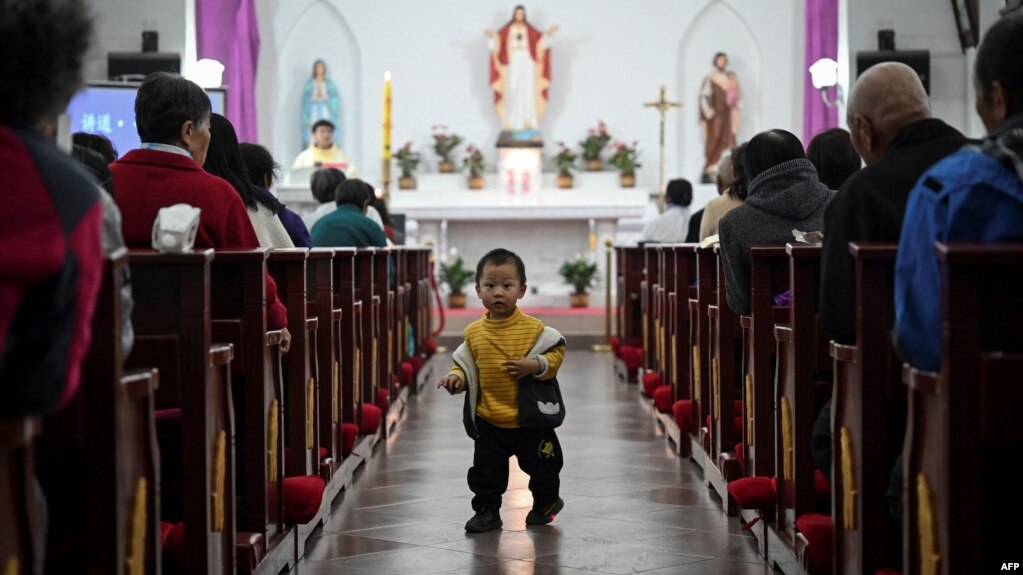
point(595, 142)
point(564, 159)
point(580, 275)
point(473, 163)
point(457, 276)
point(624, 158)
point(408, 161)
point(444, 144)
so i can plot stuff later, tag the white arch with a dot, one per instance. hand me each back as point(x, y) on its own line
point(317, 31)
point(718, 27)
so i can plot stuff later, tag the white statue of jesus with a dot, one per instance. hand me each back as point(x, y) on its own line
point(520, 72)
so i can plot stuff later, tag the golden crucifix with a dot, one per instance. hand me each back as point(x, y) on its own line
point(662, 105)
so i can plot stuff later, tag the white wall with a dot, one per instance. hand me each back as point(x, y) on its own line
point(921, 25)
point(609, 57)
point(118, 26)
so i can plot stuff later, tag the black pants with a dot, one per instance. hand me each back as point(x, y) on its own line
point(539, 455)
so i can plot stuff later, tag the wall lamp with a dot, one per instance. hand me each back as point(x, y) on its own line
point(824, 75)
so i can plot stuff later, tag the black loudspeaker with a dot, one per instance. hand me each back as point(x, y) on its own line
point(150, 41)
point(918, 60)
point(885, 40)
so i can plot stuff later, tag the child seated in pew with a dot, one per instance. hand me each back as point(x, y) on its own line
point(507, 361)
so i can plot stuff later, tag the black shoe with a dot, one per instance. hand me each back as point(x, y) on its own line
point(484, 520)
point(545, 515)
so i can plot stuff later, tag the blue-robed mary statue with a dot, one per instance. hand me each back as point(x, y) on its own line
point(320, 101)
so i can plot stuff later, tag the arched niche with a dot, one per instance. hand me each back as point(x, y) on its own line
point(716, 28)
point(304, 34)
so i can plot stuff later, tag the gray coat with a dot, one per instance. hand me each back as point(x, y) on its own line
point(784, 197)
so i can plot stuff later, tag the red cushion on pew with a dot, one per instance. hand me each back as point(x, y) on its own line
point(174, 549)
point(651, 381)
point(819, 531)
point(753, 492)
point(662, 398)
point(383, 399)
point(408, 373)
point(632, 356)
point(165, 529)
point(173, 414)
point(740, 449)
point(431, 347)
point(302, 498)
point(616, 344)
point(371, 416)
point(683, 410)
point(417, 364)
point(349, 431)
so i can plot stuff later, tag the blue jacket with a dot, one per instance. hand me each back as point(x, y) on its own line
point(970, 196)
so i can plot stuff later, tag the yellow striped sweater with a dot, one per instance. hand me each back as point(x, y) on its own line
point(492, 344)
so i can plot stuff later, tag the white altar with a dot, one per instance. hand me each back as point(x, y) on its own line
point(545, 227)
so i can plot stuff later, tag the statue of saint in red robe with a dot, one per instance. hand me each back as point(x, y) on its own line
point(520, 72)
point(719, 113)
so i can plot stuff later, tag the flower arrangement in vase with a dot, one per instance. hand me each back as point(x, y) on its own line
point(595, 142)
point(624, 159)
point(444, 144)
point(473, 163)
point(580, 274)
point(564, 160)
point(408, 161)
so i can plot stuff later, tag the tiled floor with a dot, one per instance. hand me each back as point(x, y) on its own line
point(630, 504)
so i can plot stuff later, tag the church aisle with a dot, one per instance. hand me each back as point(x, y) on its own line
point(630, 504)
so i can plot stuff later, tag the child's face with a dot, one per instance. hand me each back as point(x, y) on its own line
point(499, 288)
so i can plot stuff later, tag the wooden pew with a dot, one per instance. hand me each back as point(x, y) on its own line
point(351, 333)
point(173, 334)
point(320, 289)
point(867, 417)
point(962, 502)
point(370, 345)
point(383, 288)
point(699, 342)
point(648, 291)
point(683, 269)
point(630, 310)
point(348, 340)
point(801, 359)
point(724, 331)
point(288, 268)
point(301, 380)
point(238, 308)
point(21, 541)
point(769, 277)
point(105, 518)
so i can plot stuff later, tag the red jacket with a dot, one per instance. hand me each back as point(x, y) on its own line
point(51, 264)
point(147, 180)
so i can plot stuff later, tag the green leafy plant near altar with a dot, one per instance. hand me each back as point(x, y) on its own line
point(444, 144)
point(408, 162)
point(474, 164)
point(580, 274)
point(595, 142)
point(624, 158)
point(457, 276)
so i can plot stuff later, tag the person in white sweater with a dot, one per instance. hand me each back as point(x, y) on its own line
point(224, 159)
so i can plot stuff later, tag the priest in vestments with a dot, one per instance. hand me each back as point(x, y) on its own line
point(520, 72)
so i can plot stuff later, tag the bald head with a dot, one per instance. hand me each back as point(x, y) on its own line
point(885, 99)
